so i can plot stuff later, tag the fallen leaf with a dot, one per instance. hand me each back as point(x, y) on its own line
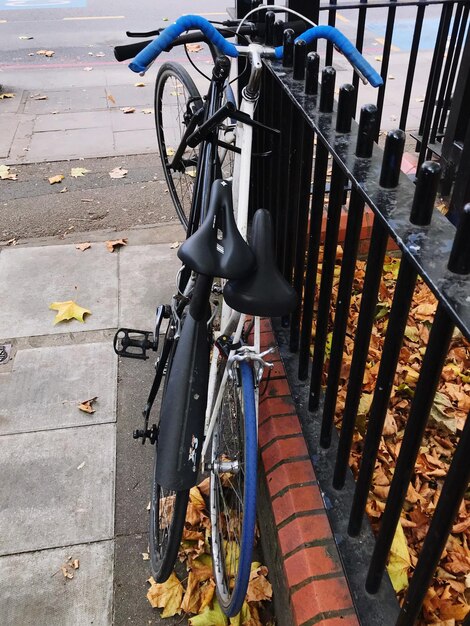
point(209, 617)
point(39, 97)
point(83, 246)
point(78, 171)
point(66, 572)
point(192, 596)
point(145, 556)
point(63, 190)
point(166, 596)
point(147, 111)
point(116, 243)
point(68, 310)
point(5, 173)
point(56, 179)
point(46, 53)
point(87, 405)
point(128, 109)
point(100, 54)
point(170, 151)
point(378, 58)
point(4, 96)
point(82, 464)
point(391, 77)
point(259, 588)
point(118, 172)
point(174, 245)
point(75, 564)
point(11, 242)
point(139, 84)
point(399, 562)
point(87, 69)
point(25, 37)
point(111, 98)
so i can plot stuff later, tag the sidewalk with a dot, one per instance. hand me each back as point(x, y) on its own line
point(74, 485)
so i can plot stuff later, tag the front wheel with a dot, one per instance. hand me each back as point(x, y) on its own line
point(233, 490)
point(177, 100)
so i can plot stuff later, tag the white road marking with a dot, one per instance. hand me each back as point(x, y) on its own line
point(96, 17)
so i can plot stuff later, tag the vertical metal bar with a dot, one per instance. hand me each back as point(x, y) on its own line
point(433, 361)
point(287, 142)
point(434, 77)
point(375, 260)
point(314, 237)
point(301, 234)
point(300, 54)
point(288, 48)
point(386, 58)
point(412, 66)
point(445, 73)
point(458, 475)
point(423, 204)
point(311, 74)
point(356, 207)
point(335, 203)
point(453, 491)
point(361, 26)
point(331, 22)
point(309, 8)
point(453, 71)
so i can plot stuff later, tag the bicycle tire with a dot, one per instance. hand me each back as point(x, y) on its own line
point(233, 491)
point(167, 514)
point(173, 88)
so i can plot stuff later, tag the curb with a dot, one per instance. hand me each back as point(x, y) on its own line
point(318, 592)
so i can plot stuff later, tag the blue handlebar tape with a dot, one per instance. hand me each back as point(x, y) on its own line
point(166, 38)
point(346, 47)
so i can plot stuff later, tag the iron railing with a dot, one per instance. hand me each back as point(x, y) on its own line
point(325, 158)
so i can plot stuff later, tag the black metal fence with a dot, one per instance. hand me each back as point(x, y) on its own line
point(325, 159)
point(441, 26)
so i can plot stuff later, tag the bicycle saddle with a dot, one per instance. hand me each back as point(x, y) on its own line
point(265, 292)
point(217, 247)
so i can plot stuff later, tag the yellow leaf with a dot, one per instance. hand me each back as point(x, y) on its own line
point(45, 53)
point(111, 98)
point(128, 110)
point(209, 617)
point(4, 96)
point(139, 84)
point(78, 171)
point(68, 310)
point(202, 567)
point(192, 595)
point(5, 173)
point(116, 243)
point(166, 596)
point(170, 151)
point(365, 403)
point(207, 594)
point(56, 179)
point(399, 562)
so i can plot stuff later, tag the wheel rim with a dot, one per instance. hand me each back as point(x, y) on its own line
point(172, 119)
point(227, 492)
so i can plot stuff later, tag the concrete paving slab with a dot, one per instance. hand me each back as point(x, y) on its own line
point(10, 105)
point(34, 590)
point(33, 278)
point(57, 488)
point(52, 381)
point(8, 126)
point(126, 95)
point(70, 144)
point(68, 100)
point(146, 279)
point(135, 142)
point(72, 121)
point(133, 121)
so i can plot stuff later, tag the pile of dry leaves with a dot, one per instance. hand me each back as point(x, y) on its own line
point(448, 599)
point(194, 594)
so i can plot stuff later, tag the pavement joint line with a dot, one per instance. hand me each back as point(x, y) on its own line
point(59, 428)
point(94, 17)
point(60, 547)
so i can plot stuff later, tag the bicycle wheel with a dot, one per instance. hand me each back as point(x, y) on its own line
point(167, 515)
point(233, 491)
point(177, 99)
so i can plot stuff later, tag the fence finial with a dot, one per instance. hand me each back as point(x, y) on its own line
point(327, 94)
point(269, 20)
point(300, 53)
point(459, 260)
point(345, 108)
point(288, 47)
point(311, 73)
point(425, 193)
point(391, 162)
point(366, 132)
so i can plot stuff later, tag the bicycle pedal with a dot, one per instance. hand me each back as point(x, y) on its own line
point(133, 344)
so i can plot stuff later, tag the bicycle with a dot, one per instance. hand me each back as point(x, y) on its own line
point(212, 367)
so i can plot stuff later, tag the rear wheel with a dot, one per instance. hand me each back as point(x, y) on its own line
point(167, 512)
point(177, 100)
point(233, 490)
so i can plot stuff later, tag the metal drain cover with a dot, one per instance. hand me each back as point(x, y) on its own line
point(5, 350)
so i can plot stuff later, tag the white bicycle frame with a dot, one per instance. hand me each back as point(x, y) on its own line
point(241, 191)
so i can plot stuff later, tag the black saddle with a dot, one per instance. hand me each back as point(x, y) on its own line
point(265, 292)
point(217, 247)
